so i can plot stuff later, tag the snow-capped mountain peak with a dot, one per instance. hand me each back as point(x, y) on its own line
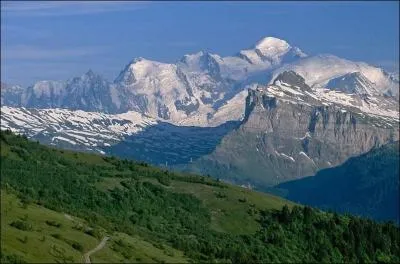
point(138, 68)
point(89, 74)
point(88, 78)
point(270, 46)
point(273, 51)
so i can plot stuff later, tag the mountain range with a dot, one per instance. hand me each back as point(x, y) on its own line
point(266, 115)
point(192, 90)
point(189, 91)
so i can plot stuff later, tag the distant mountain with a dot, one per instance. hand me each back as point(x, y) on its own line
point(366, 185)
point(88, 92)
point(190, 91)
point(291, 130)
point(319, 70)
point(354, 82)
point(11, 94)
point(194, 89)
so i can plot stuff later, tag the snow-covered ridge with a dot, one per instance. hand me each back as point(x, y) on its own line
point(319, 70)
point(89, 129)
point(381, 107)
point(354, 82)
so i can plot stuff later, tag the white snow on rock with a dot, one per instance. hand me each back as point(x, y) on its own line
point(319, 70)
point(285, 156)
point(306, 156)
point(383, 107)
point(74, 127)
point(64, 139)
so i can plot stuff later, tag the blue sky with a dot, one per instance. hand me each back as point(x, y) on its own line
point(60, 40)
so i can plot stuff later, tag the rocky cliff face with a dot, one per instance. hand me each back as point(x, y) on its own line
point(10, 94)
point(291, 131)
point(89, 92)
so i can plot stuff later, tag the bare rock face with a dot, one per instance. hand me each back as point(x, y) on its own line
point(10, 94)
point(89, 92)
point(291, 131)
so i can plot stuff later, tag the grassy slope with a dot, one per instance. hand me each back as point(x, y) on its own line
point(39, 247)
point(229, 207)
point(39, 243)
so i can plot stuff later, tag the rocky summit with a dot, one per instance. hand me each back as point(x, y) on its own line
point(291, 131)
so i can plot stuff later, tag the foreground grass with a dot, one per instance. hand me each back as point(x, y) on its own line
point(40, 242)
point(49, 236)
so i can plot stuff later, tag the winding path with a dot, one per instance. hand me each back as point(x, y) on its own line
point(86, 256)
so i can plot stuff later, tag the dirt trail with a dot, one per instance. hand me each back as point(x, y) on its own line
point(68, 217)
point(86, 256)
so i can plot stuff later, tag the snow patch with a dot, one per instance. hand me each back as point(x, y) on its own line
point(285, 156)
point(64, 139)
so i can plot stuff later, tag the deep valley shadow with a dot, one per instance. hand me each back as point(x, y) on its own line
point(366, 185)
point(165, 144)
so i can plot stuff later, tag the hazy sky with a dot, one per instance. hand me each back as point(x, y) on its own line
point(60, 40)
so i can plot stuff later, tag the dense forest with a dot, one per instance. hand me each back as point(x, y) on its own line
point(145, 203)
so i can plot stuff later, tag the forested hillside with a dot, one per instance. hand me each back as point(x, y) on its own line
point(366, 185)
point(174, 217)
